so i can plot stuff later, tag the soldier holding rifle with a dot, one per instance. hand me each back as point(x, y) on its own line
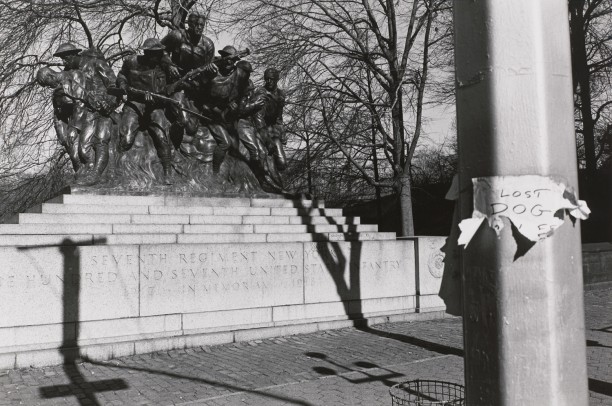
point(189, 51)
point(142, 77)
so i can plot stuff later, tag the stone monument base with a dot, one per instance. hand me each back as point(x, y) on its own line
point(89, 276)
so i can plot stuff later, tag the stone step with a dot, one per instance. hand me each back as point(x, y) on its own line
point(37, 240)
point(207, 201)
point(324, 220)
point(216, 220)
point(275, 228)
point(160, 218)
point(210, 210)
point(286, 203)
point(51, 208)
point(303, 237)
point(147, 229)
point(47, 229)
point(218, 228)
point(184, 201)
point(272, 220)
point(362, 236)
point(65, 218)
point(245, 211)
point(107, 200)
point(220, 238)
point(24, 240)
point(317, 228)
point(135, 239)
point(297, 220)
point(164, 228)
point(315, 211)
point(285, 237)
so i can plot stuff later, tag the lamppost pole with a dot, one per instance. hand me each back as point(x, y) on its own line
point(523, 316)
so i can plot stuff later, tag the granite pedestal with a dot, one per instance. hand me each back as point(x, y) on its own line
point(100, 276)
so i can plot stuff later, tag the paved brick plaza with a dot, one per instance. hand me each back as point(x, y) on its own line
point(343, 367)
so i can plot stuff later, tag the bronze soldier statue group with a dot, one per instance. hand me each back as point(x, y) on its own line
point(191, 104)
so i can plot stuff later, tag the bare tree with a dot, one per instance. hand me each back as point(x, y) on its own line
point(363, 68)
point(591, 40)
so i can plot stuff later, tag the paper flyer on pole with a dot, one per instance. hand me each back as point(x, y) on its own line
point(536, 205)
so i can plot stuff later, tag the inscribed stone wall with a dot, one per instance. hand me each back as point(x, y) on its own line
point(66, 284)
point(198, 278)
point(60, 284)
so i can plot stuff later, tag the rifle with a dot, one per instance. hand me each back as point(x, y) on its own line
point(117, 91)
point(197, 71)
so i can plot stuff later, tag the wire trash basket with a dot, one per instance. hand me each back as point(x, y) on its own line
point(423, 392)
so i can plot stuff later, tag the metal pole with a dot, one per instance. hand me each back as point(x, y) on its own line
point(523, 318)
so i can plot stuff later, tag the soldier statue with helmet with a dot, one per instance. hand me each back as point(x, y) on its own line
point(221, 101)
point(268, 120)
point(97, 128)
point(189, 49)
point(68, 107)
point(226, 63)
point(182, 96)
point(89, 132)
point(69, 54)
point(142, 78)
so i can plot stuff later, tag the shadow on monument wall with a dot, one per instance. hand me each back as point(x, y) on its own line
point(85, 391)
point(335, 261)
point(69, 349)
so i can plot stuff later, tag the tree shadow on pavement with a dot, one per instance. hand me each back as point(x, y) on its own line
point(601, 387)
point(591, 343)
point(419, 342)
point(605, 329)
point(387, 378)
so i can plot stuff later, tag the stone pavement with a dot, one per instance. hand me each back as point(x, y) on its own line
point(351, 366)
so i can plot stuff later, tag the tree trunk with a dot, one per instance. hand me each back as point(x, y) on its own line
point(404, 195)
point(379, 213)
point(402, 188)
point(397, 122)
point(376, 174)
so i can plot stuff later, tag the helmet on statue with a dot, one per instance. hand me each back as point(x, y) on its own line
point(152, 44)
point(228, 50)
point(67, 48)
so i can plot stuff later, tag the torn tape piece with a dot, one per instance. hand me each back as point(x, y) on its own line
point(534, 204)
point(468, 228)
point(581, 212)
